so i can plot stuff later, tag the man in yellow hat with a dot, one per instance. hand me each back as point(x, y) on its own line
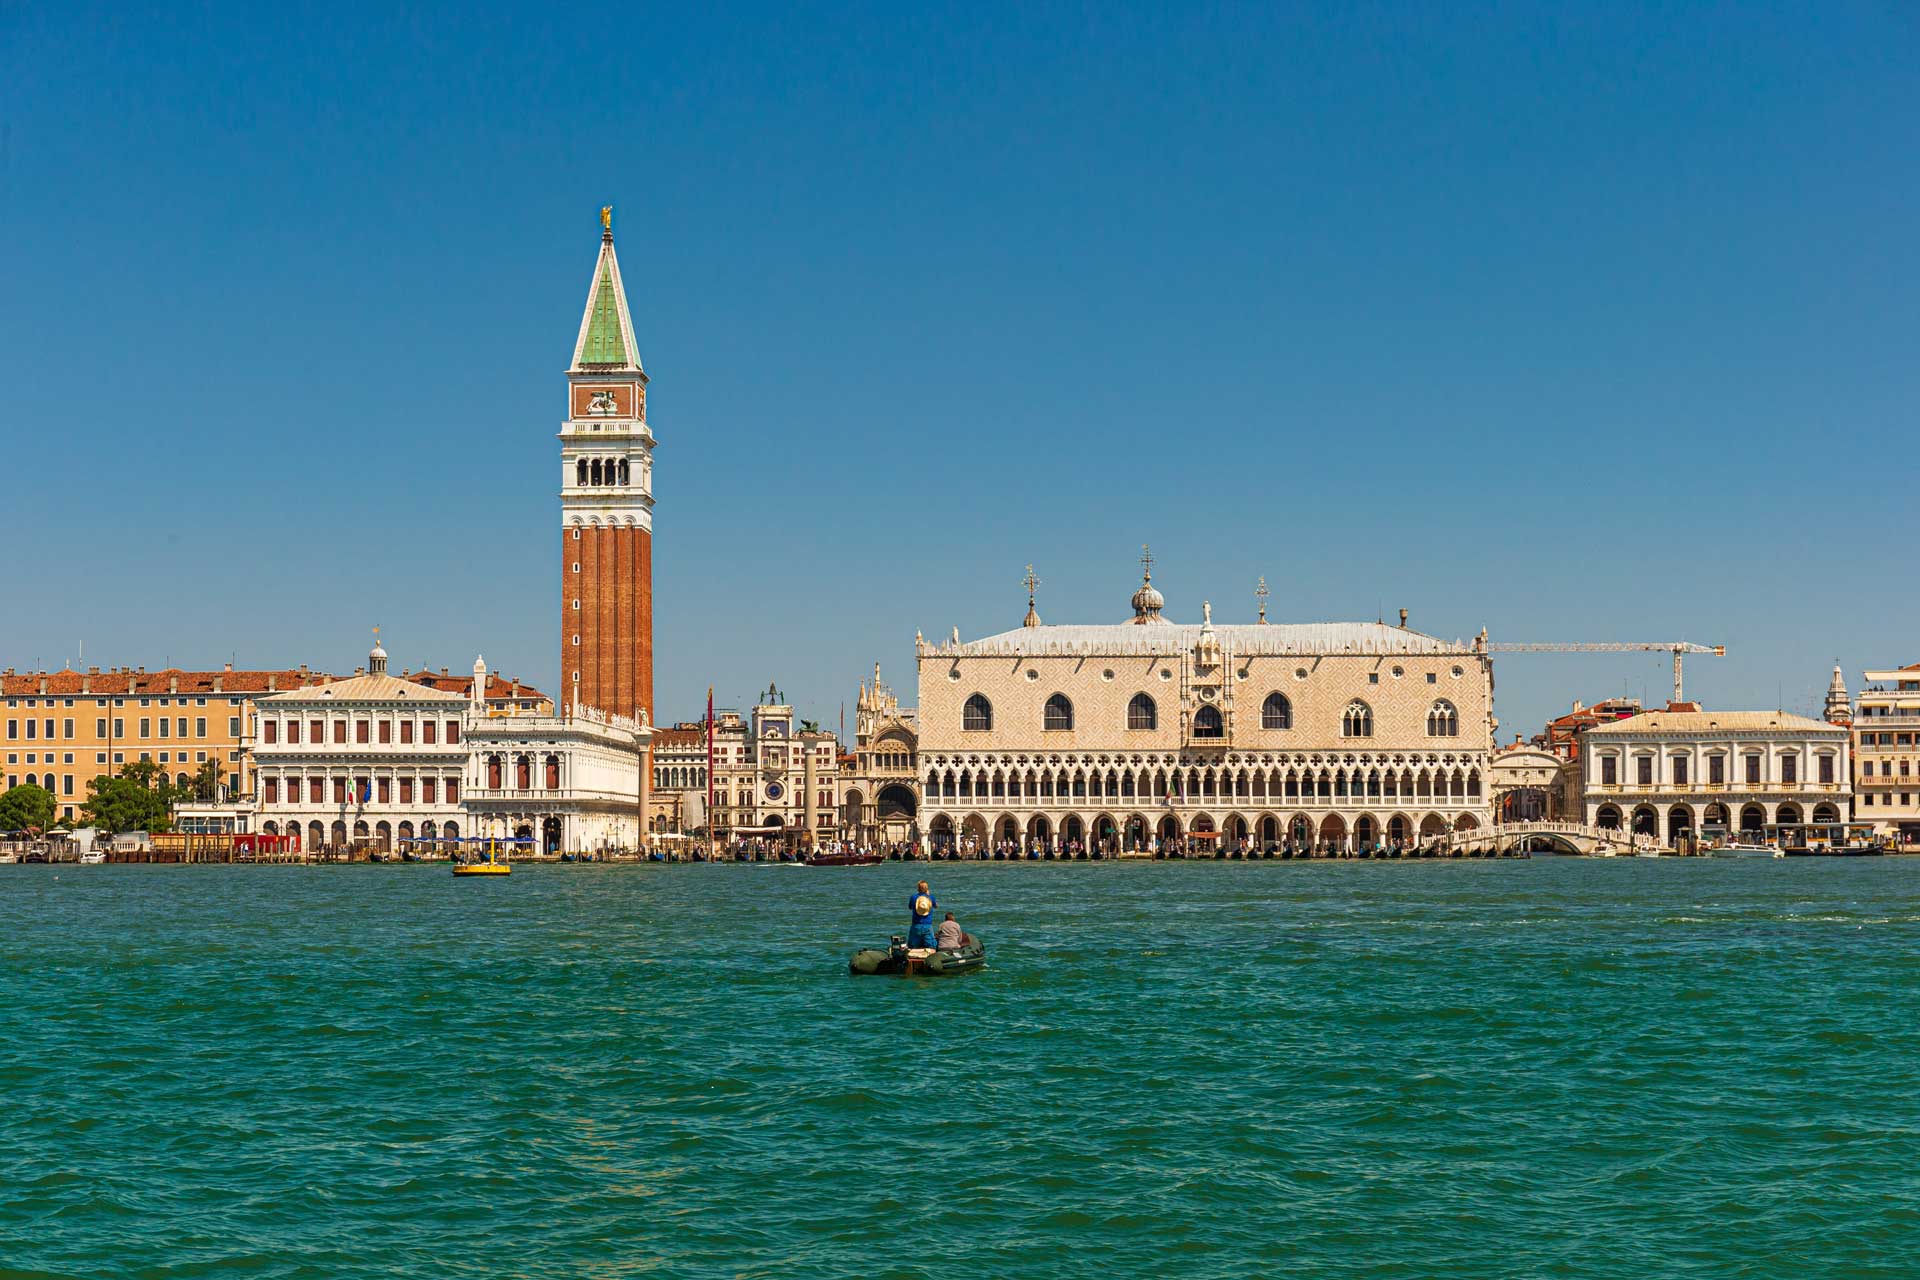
point(920, 910)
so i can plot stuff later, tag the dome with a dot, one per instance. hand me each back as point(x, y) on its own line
point(1147, 604)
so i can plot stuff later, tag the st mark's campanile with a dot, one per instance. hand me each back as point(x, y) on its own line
point(606, 507)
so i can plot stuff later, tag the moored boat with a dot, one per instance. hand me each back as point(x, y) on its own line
point(1825, 839)
point(898, 959)
point(1743, 849)
point(845, 860)
point(487, 866)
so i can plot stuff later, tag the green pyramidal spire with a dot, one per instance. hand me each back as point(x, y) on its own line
point(606, 331)
point(603, 343)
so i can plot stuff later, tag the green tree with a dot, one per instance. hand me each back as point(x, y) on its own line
point(206, 782)
point(22, 808)
point(135, 799)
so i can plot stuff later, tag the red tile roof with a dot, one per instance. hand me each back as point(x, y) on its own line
point(498, 689)
point(172, 680)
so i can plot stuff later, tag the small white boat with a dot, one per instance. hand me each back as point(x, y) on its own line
point(1744, 849)
point(9, 858)
point(92, 858)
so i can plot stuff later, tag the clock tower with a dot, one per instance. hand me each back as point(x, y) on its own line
point(606, 507)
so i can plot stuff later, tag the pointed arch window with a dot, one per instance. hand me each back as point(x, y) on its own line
point(1058, 713)
point(1276, 712)
point(1443, 721)
point(1142, 713)
point(977, 714)
point(1208, 724)
point(1358, 720)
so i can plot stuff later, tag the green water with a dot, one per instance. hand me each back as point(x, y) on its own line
point(1583, 1068)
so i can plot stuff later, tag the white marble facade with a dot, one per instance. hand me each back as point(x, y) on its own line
point(1144, 734)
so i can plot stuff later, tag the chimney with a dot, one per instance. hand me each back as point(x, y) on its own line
point(173, 684)
point(1403, 619)
point(229, 666)
point(43, 682)
point(220, 681)
point(273, 682)
point(86, 683)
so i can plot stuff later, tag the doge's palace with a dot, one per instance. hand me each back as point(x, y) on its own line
point(1152, 736)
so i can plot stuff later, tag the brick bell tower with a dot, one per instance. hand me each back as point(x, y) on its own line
point(606, 507)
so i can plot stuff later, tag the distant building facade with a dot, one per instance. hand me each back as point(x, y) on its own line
point(1675, 774)
point(65, 728)
point(677, 803)
point(1562, 734)
point(557, 784)
point(771, 780)
point(381, 762)
point(1329, 736)
point(369, 761)
point(881, 794)
point(1886, 734)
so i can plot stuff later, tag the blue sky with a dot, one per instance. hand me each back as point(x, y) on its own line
point(1570, 322)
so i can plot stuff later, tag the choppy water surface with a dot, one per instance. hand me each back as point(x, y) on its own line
point(1560, 1067)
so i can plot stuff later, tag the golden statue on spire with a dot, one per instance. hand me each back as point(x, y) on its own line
point(606, 217)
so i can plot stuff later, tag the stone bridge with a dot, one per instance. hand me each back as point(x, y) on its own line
point(1546, 837)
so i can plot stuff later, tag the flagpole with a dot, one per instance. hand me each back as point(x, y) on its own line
point(710, 840)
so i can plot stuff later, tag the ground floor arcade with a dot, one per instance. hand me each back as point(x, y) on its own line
point(1116, 833)
point(1675, 821)
point(363, 833)
point(552, 831)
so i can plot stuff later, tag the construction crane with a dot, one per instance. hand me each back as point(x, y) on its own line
point(1678, 648)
